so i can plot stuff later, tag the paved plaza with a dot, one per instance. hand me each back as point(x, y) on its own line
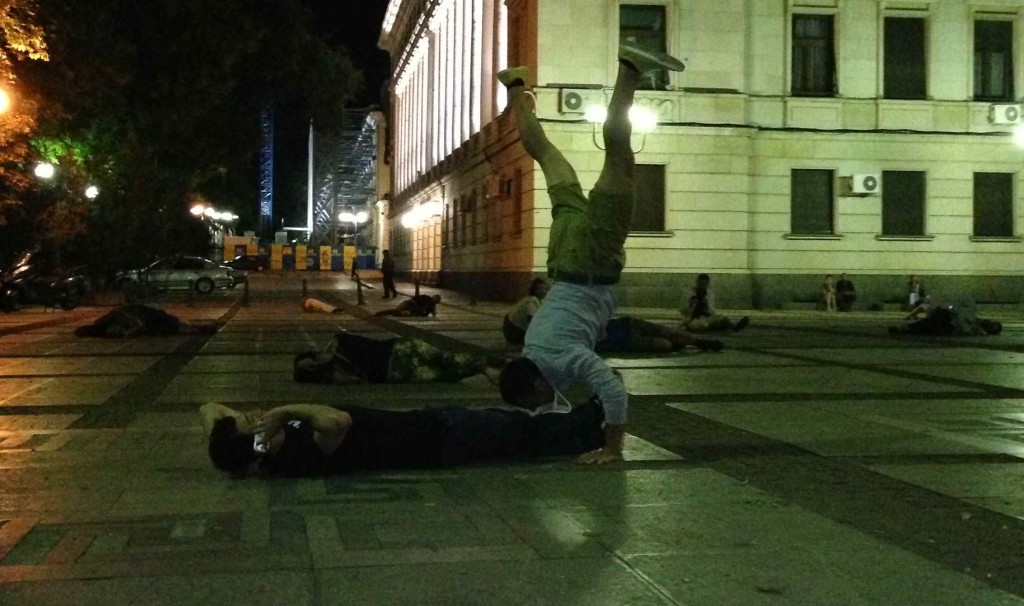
point(817, 460)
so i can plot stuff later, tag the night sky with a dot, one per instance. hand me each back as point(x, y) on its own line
point(354, 25)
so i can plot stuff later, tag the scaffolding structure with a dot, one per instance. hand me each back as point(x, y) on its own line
point(344, 176)
point(267, 169)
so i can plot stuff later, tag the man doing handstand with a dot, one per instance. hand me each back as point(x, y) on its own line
point(585, 256)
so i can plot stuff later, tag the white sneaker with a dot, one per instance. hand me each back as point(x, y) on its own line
point(646, 62)
point(510, 75)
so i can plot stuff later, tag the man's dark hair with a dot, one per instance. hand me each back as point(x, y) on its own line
point(517, 379)
point(230, 450)
point(536, 284)
point(704, 277)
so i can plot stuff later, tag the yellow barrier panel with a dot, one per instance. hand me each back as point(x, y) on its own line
point(251, 249)
point(276, 257)
point(325, 258)
point(300, 257)
point(348, 255)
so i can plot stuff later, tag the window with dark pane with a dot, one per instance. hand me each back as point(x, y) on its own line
point(993, 204)
point(811, 201)
point(904, 63)
point(902, 203)
point(814, 71)
point(649, 210)
point(643, 25)
point(993, 61)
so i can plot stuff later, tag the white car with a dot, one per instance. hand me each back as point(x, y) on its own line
point(179, 272)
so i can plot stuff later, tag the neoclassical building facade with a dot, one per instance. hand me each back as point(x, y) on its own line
point(805, 138)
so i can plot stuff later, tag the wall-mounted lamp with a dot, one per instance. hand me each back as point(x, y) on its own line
point(422, 213)
point(643, 120)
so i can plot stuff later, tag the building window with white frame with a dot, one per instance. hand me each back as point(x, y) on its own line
point(993, 61)
point(903, 195)
point(811, 201)
point(644, 26)
point(814, 61)
point(993, 205)
point(904, 62)
point(649, 209)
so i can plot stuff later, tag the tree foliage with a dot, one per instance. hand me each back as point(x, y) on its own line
point(156, 102)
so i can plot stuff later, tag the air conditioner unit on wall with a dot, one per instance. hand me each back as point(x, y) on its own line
point(861, 185)
point(576, 100)
point(1003, 113)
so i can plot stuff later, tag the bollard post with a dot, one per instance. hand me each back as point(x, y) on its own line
point(191, 292)
point(417, 288)
point(245, 294)
point(359, 292)
point(305, 289)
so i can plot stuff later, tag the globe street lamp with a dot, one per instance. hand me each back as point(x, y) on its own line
point(45, 170)
point(5, 101)
point(91, 192)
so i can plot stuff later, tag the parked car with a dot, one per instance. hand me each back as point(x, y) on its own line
point(249, 263)
point(179, 272)
point(26, 282)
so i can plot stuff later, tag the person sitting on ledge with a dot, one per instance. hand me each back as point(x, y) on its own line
point(949, 320)
point(141, 320)
point(302, 440)
point(846, 294)
point(419, 306)
point(351, 358)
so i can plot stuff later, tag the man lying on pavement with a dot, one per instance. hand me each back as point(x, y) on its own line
point(314, 440)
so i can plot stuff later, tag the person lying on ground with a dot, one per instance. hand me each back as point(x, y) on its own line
point(351, 358)
point(141, 320)
point(956, 319)
point(419, 306)
point(627, 334)
point(301, 440)
point(311, 304)
point(517, 320)
point(700, 313)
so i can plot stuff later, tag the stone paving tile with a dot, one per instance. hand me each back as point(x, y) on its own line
point(67, 390)
point(692, 358)
point(832, 429)
point(812, 575)
point(1005, 375)
point(925, 357)
point(584, 581)
point(755, 380)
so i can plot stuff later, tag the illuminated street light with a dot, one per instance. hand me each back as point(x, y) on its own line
point(361, 216)
point(45, 170)
point(209, 212)
point(197, 210)
point(5, 101)
point(91, 192)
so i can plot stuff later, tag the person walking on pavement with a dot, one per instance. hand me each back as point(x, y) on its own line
point(387, 270)
point(586, 256)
